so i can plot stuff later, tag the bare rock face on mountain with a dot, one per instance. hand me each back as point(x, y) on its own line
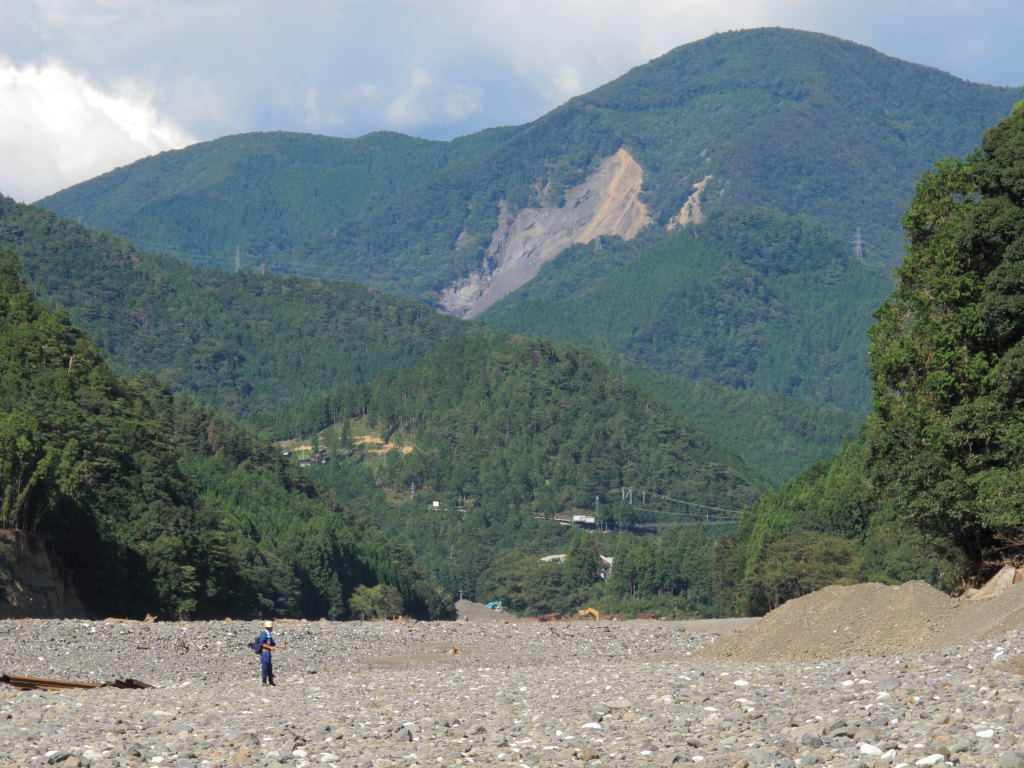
point(607, 203)
point(36, 587)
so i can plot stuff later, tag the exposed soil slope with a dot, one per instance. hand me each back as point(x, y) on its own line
point(606, 204)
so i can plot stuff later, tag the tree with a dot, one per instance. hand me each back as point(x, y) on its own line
point(582, 568)
point(798, 565)
point(380, 602)
point(947, 356)
point(523, 582)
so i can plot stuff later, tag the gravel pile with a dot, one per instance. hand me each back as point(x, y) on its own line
point(872, 620)
point(381, 694)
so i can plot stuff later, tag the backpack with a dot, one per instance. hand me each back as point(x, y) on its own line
point(256, 645)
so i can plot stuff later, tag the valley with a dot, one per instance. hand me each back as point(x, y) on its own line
point(653, 286)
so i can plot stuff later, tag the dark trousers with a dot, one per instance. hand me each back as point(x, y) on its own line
point(266, 665)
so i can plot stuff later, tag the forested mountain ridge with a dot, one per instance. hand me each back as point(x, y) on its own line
point(750, 298)
point(802, 122)
point(504, 429)
point(247, 343)
point(202, 517)
point(509, 436)
point(797, 124)
point(931, 486)
point(157, 505)
point(270, 347)
point(262, 193)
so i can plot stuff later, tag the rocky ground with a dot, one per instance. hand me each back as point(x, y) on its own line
point(852, 676)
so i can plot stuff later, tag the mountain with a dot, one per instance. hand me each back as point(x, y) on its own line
point(158, 505)
point(749, 298)
point(253, 345)
point(930, 487)
point(203, 517)
point(802, 122)
point(273, 348)
point(527, 226)
point(256, 195)
point(497, 440)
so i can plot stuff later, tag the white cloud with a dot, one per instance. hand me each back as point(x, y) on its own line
point(428, 99)
point(58, 129)
point(432, 68)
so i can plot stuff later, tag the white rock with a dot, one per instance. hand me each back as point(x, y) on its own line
point(931, 760)
point(870, 749)
point(988, 733)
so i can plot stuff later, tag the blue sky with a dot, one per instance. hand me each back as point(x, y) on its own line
point(88, 85)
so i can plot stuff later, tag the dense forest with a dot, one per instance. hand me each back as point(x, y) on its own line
point(750, 299)
point(506, 432)
point(508, 437)
point(265, 347)
point(252, 344)
point(159, 505)
point(802, 143)
point(490, 436)
point(930, 487)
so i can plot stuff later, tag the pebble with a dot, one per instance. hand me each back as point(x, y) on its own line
point(389, 694)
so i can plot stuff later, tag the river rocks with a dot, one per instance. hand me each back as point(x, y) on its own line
point(380, 694)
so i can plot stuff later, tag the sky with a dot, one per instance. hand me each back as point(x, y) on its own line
point(90, 85)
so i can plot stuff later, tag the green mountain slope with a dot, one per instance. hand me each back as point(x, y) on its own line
point(258, 195)
point(751, 299)
point(506, 434)
point(778, 435)
point(930, 487)
point(270, 347)
point(805, 124)
point(802, 122)
point(158, 505)
point(248, 343)
point(505, 431)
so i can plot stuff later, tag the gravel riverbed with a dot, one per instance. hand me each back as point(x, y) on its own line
point(380, 694)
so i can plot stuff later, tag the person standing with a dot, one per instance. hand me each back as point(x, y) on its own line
point(267, 646)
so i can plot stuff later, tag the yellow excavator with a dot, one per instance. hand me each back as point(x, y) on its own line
point(584, 612)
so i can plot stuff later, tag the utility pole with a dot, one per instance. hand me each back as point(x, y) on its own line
point(238, 260)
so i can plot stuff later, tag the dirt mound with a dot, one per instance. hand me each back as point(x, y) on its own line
point(871, 620)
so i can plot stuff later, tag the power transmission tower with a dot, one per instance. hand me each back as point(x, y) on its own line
point(858, 246)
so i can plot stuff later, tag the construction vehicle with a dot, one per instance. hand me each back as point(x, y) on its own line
point(584, 612)
point(494, 605)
